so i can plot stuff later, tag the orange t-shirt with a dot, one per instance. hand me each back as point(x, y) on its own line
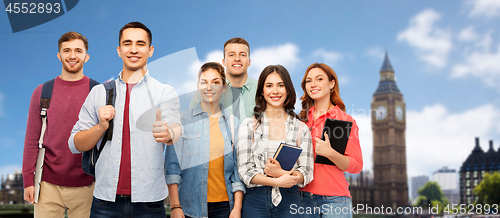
point(216, 191)
point(329, 180)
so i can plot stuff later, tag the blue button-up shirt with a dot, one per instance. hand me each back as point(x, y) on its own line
point(147, 160)
point(189, 158)
point(246, 99)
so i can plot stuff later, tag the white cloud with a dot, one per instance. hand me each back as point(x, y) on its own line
point(363, 120)
point(177, 69)
point(375, 52)
point(286, 55)
point(432, 44)
point(467, 34)
point(482, 64)
point(329, 57)
point(189, 83)
point(436, 138)
point(485, 43)
point(485, 8)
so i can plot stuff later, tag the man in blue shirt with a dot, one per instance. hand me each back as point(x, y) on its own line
point(129, 174)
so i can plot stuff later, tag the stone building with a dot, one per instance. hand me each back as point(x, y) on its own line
point(473, 169)
point(12, 190)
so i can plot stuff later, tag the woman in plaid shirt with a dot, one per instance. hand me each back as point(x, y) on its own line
point(272, 191)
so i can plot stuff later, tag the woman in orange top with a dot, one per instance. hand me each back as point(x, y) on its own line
point(328, 194)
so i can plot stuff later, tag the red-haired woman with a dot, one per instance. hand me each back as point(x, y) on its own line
point(321, 100)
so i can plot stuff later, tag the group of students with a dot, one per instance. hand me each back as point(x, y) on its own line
point(213, 164)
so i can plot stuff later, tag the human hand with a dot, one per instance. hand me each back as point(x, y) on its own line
point(287, 180)
point(161, 132)
point(323, 148)
point(235, 213)
point(177, 213)
point(29, 194)
point(273, 168)
point(106, 114)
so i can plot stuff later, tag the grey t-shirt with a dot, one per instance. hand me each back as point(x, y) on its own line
point(236, 103)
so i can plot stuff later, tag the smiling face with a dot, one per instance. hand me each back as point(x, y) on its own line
point(236, 59)
point(73, 55)
point(274, 91)
point(210, 86)
point(317, 84)
point(134, 49)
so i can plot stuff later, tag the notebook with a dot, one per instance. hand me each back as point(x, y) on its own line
point(338, 132)
point(287, 155)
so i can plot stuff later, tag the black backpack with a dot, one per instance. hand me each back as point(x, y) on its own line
point(89, 158)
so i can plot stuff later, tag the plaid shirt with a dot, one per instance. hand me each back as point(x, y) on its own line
point(252, 155)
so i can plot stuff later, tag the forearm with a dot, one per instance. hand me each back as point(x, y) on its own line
point(87, 139)
point(338, 159)
point(238, 200)
point(260, 179)
point(298, 173)
point(173, 194)
point(177, 131)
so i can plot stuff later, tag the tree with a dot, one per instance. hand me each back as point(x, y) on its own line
point(487, 191)
point(431, 194)
point(431, 191)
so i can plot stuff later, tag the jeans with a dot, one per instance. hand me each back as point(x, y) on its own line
point(123, 207)
point(324, 206)
point(217, 210)
point(257, 203)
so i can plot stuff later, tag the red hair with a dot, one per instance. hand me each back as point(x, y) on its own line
point(308, 102)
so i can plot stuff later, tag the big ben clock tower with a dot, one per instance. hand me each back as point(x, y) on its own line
point(388, 115)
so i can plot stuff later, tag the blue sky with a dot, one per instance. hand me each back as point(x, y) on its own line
point(446, 55)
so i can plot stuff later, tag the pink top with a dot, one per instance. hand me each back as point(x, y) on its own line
point(329, 180)
point(61, 167)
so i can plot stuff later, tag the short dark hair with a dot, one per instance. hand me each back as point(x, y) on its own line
point(215, 66)
point(139, 25)
point(236, 40)
point(72, 35)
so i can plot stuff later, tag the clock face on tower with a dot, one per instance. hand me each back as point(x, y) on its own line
point(380, 113)
point(399, 112)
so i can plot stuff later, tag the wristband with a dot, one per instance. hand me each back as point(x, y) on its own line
point(175, 207)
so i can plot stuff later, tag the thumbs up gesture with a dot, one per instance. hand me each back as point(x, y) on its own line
point(161, 132)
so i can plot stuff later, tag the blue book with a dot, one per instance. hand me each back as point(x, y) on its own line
point(287, 155)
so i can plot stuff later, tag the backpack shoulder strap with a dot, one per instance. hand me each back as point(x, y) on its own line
point(92, 83)
point(46, 94)
point(110, 87)
point(44, 105)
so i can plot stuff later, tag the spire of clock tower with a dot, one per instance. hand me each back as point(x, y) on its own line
point(387, 82)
